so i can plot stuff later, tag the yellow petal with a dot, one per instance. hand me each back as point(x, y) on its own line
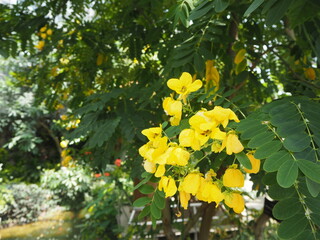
point(238, 206)
point(233, 178)
point(160, 171)
point(186, 79)
point(175, 85)
point(233, 145)
point(163, 183)
point(255, 164)
point(149, 166)
point(191, 183)
point(171, 188)
point(195, 86)
point(182, 156)
point(152, 133)
point(184, 199)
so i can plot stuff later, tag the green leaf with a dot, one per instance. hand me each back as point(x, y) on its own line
point(287, 174)
point(277, 193)
point(297, 142)
point(270, 179)
point(293, 226)
point(140, 202)
point(245, 124)
point(267, 149)
point(313, 187)
point(146, 189)
point(221, 5)
point(310, 169)
point(277, 11)
point(261, 139)
point(253, 7)
point(290, 128)
point(159, 200)
point(244, 160)
point(145, 180)
point(201, 10)
point(144, 212)
point(287, 208)
point(253, 131)
point(155, 211)
point(307, 234)
point(274, 162)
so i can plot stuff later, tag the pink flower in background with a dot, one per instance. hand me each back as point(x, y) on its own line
point(117, 162)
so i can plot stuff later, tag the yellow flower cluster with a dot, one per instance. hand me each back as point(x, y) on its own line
point(174, 162)
point(43, 33)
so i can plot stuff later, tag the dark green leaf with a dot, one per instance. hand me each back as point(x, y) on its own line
point(290, 128)
point(201, 10)
point(274, 161)
point(267, 149)
point(297, 142)
point(159, 200)
point(146, 189)
point(270, 179)
point(277, 12)
point(293, 226)
point(144, 212)
point(253, 131)
point(313, 187)
point(245, 124)
point(221, 5)
point(140, 202)
point(277, 193)
point(253, 7)
point(145, 180)
point(261, 139)
point(287, 174)
point(155, 211)
point(310, 169)
point(287, 208)
point(244, 160)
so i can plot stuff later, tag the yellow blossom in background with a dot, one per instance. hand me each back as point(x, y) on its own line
point(100, 59)
point(233, 177)
point(255, 164)
point(43, 29)
point(184, 198)
point(184, 85)
point(64, 117)
point(64, 143)
point(43, 35)
point(173, 108)
point(149, 166)
point(234, 201)
point(66, 161)
point(168, 185)
point(232, 143)
point(240, 56)
point(49, 32)
point(212, 77)
point(152, 133)
point(309, 73)
point(191, 183)
point(40, 45)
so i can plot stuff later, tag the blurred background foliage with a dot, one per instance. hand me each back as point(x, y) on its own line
point(92, 74)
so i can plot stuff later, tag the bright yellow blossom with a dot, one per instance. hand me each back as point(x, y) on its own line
point(174, 109)
point(184, 198)
point(233, 177)
point(209, 192)
point(232, 143)
point(43, 29)
point(40, 45)
point(234, 201)
point(222, 115)
point(49, 32)
point(160, 171)
point(190, 138)
point(152, 133)
point(191, 183)
point(168, 185)
point(255, 164)
point(184, 85)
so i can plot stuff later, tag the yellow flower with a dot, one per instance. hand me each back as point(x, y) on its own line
point(212, 77)
point(234, 201)
point(184, 85)
point(64, 143)
point(40, 45)
point(309, 73)
point(255, 164)
point(184, 198)
point(233, 177)
point(191, 183)
point(43, 29)
point(43, 35)
point(149, 166)
point(232, 143)
point(187, 138)
point(49, 32)
point(152, 133)
point(173, 108)
point(222, 115)
point(209, 192)
point(160, 171)
point(168, 185)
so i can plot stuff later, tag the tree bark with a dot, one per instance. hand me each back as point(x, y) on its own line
point(206, 221)
point(260, 225)
point(166, 222)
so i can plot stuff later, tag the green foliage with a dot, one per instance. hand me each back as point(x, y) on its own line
point(70, 185)
point(25, 204)
point(292, 155)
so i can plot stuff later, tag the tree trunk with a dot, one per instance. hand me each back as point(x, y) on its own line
point(166, 222)
point(206, 221)
point(260, 225)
